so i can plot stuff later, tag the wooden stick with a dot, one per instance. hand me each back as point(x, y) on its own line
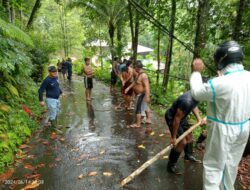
point(157, 156)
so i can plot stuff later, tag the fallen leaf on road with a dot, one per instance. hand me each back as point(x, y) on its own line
point(29, 167)
point(53, 136)
point(81, 176)
point(32, 176)
point(32, 185)
point(152, 133)
point(107, 174)
point(161, 135)
point(74, 149)
point(102, 152)
point(94, 158)
point(6, 175)
point(23, 146)
point(40, 165)
point(31, 156)
point(62, 139)
point(83, 156)
point(46, 143)
point(91, 174)
point(141, 146)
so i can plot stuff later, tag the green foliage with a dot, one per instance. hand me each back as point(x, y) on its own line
point(16, 89)
point(15, 33)
point(39, 58)
point(78, 67)
point(103, 74)
point(15, 124)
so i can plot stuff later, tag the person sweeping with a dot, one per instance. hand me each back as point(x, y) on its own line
point(176, 119)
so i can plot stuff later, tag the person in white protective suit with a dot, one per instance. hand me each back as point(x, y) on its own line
point(228, 113)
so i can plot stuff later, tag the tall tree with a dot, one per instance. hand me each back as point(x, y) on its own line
point(63, 24)
point(158, 56)
point(238, 20)
point(33, 13)
point(170, 46)
point(111, 13)
point(119, 39)
point(201, 27)
point(6, 6)
point(12, 14)
point(134, 21)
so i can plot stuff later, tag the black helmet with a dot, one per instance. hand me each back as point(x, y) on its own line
point(228, 52)
point(138, 64)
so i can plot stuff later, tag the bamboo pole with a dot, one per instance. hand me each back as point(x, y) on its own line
point(157, 156)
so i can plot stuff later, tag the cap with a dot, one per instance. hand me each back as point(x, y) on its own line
point(52, 69)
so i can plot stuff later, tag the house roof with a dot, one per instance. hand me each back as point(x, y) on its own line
point(127, 49)
point(140, 49)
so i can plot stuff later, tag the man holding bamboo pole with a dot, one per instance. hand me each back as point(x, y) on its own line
point(227, 114)
point(176, 119)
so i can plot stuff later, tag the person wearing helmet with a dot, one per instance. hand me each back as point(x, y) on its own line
point(227, 114)
point(142, 90)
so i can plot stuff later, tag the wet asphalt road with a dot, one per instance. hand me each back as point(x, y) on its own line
point(95, 140)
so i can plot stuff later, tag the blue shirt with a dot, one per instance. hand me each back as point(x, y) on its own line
point(69, 65)
point(51, 85)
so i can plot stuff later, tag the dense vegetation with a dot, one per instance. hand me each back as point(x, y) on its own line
point(34, 33)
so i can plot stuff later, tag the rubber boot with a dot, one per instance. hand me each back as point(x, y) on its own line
point(173, 158)
point(201, 138)
point(200, 142)
point(189, 153)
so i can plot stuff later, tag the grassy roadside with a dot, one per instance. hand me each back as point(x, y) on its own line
point(19, 117)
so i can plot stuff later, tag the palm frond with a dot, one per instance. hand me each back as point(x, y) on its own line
point(15, 33)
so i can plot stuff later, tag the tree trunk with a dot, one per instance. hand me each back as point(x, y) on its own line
point(12, 15)
point(111, 35)
point(201, 27)
point(119, 39)
point(67, 41)
point(158, 56)
point(33, 13)
point(134, 27)
point(136, 36)
point(63, 29)
point(6, 6)
point(131, 23)
point(100, 42)
point(238, 20)
point(170, 47)
point(21, 14)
